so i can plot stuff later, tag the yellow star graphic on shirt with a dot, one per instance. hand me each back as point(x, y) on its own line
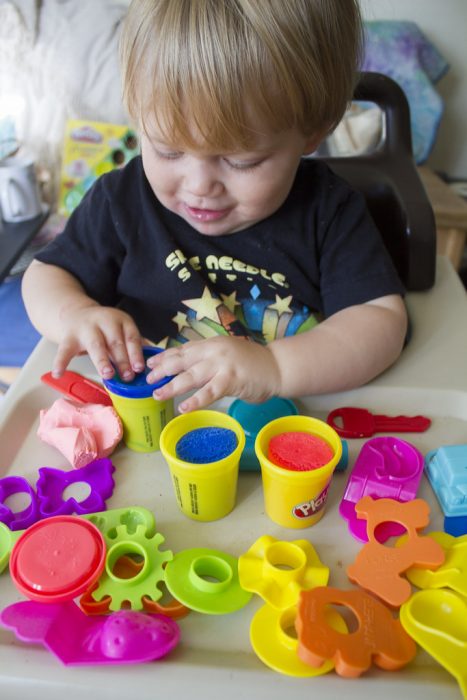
point(230, 301)
point(282, 306)
point(205, 307)
point(181, 320)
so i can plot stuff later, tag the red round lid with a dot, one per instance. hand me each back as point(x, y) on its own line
point(57, 559)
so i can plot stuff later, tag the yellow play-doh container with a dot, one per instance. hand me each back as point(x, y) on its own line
point(203, 491)
point(143, 417)
point(296, 499)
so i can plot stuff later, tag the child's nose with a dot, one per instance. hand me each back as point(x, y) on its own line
point(202, 178)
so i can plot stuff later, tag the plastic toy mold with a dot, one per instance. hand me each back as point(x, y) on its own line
point(108, 521)
point(386, 467)
point(271, 641)
point(57, 559)
point(451, 574)
point(146, 580)
point(377, 568)
point(437, 620)
point(379, 637)
point(124, 637)
point(53, 482)
point(446, 469)
point(262, 570)
point(7, 541)
point(189, 578)
point(10, 485)
point(126, 567)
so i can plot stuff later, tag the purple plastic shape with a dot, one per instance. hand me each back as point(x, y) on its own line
point(53, 482)
point(124, 637)
point(10, 485)
point(387, 467)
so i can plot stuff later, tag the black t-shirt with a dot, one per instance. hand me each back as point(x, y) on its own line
point(317, 254)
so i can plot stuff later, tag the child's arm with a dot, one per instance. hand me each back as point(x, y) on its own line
point(61, 311)
point(345, 351)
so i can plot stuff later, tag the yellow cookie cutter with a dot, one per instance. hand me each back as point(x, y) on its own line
point(277, 570)
point(277, 648)
point(437, 621)
point(451, 574)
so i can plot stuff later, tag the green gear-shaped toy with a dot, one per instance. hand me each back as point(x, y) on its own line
point(146, 580)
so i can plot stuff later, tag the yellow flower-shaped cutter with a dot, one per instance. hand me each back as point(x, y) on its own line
point(277, 570)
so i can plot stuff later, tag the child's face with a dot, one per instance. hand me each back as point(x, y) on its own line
point(219, 194)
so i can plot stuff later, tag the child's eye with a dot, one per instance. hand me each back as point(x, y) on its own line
point(242, 165)
point(168, 155)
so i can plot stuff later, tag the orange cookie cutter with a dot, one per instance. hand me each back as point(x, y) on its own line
point(126, 567)
point(377, 567)
point(379, 638)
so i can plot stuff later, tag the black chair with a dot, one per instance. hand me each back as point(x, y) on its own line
point(390, 182)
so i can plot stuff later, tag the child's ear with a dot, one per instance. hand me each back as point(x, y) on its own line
point(313, 142)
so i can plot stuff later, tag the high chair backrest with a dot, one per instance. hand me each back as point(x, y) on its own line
point(390, 182)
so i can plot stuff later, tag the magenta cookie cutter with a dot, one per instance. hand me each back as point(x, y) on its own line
point(20, 520)
point(53, 482)
point(387, 467)
point(124, 637)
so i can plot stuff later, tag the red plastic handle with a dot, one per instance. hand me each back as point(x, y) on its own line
point(77, 387)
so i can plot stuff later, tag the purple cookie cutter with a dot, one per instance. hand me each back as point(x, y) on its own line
point(53, 482)
point(387, 467)
point(123, 637)
point(9, 486)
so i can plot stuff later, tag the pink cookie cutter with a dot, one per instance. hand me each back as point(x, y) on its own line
point(387, 467)
point(125, 637)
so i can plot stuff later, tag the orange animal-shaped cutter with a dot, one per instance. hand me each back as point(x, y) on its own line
point(379, 636)
point(377, 567)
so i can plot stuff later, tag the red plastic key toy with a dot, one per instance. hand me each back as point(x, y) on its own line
point(77, 387)
point(358, 423)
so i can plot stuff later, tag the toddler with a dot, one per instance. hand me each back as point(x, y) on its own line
point(259, 271)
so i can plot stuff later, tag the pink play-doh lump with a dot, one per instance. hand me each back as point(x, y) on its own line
point(82, 433)
point(299, 451)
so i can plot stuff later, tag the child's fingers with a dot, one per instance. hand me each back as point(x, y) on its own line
point(65, 353)
point(134, 343)
point(206, 395)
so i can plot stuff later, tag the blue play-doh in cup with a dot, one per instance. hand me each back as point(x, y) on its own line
point(143, 417)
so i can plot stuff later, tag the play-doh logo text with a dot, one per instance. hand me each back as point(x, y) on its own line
point(309, 508)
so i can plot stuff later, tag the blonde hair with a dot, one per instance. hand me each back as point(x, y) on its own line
point(221, 67)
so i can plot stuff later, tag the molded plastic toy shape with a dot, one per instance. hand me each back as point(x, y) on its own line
point(57, 559)
point(78, 388)
point(18, 520)
point(451, 574)
point(379, 637)
point(53, 482)
point(145, 582)
point(278, 571)
point(126, 567)
point(386, 467)
point(437, 620)
point(377, 568)
point(277, 648)
point(206, 580)
point(108, 521)
point(358, 423)
point(446, 469)
point(7, 541)
point(82, 433)
point(124, 637)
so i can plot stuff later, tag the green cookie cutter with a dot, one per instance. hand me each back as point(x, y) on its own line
point(7, 541)
point(145, 583)
point(206, 580)
point(107, 521)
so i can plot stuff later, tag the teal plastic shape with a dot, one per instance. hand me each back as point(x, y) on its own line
point(206, 580)
point(278, 571)
point(446, 469)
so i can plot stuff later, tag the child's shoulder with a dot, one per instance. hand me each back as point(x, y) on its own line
point(317, 180)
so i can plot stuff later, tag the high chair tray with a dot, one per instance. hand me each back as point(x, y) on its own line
point(215, 658)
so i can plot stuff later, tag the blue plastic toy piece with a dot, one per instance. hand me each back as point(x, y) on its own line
point(204, 445)
point(456, 526)
point(446, 469)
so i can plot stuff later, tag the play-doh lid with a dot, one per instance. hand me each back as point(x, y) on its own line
point(138, 388)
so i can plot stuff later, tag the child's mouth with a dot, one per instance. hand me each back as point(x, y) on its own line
point(206, 214)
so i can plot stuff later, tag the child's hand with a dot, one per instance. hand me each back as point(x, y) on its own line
point(221, 366)
point(108, 335)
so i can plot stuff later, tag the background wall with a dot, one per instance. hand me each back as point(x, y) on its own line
point(444, 23)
